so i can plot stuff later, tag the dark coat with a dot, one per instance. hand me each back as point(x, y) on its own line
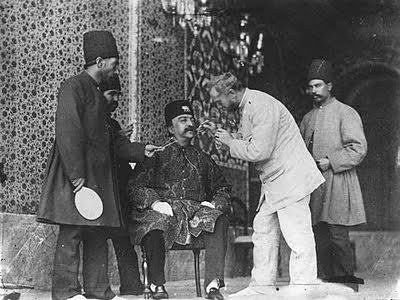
point(184, 177)
point(83, 147)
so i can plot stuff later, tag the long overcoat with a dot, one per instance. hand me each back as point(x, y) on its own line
point(83, 148)
point(339, 136)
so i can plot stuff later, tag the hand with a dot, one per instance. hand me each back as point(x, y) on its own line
point(224, 137)
point(208, 204)
point(220, 146)
point(149, 150)
point(163, 208)
point(207, 125)
point(127, 131)
point(323, 164)
point(78, 183)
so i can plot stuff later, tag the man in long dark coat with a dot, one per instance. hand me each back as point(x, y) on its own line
point(125, 253)
point(180, 194)
point(82, 156)
point(334, 135)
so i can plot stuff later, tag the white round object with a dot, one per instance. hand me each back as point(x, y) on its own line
point(88, 204)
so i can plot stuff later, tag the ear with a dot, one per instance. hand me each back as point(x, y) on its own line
point(99, 62)
point(329, 85)
point(171, 129)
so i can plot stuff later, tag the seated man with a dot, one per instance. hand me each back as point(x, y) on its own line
point(179, 194)
point(127, 260)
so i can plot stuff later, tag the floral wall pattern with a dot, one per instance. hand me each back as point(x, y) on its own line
point(41, 46)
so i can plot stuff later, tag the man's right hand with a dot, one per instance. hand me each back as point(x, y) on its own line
point(149, 150)
point(78, 183)
point(163, 208)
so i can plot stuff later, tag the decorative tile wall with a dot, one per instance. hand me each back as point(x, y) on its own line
point(41, 46)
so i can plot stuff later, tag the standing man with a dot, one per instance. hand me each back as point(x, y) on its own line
point(334, 135)
point(82, 156)
point(269, 137)
point(125, 253)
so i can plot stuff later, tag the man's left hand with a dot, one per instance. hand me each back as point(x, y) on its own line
point(323, 164)
point(224, 137)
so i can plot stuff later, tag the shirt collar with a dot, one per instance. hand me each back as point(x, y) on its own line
point(324, 103)
point(244, 99)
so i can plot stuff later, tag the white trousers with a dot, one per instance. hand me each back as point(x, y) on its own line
point(294, 222)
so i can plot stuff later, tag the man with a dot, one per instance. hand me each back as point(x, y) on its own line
point(82, 156)
point(177, 196)
point(269, 137)
point(127, 260)
point(334, 135)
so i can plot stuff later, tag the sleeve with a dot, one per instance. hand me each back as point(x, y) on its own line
point(265, 125)
point(143, 189)
point(354, 143)
point(127, 150)
point(303, 127)
point(70, 136)
point(220, 189)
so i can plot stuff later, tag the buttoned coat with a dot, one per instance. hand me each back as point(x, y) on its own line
point(338, 136)
point(84, 147)
point(269, 137)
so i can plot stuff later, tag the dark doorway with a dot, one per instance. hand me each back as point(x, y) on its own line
point(376, 96)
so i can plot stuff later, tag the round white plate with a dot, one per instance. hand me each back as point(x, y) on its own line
point(88, 204)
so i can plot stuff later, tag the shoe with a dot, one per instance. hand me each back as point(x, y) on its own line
point(159, 292)
point(77, 297)
point(254, 291)
point(214, 294)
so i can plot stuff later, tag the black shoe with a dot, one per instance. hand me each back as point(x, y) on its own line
point(214, 294)
point(159, 292)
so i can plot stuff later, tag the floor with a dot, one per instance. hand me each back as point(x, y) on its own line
point(374, 289)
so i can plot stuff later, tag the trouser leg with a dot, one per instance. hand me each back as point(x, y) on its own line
point(65, 281)
point(95, 264)
point(154, 245)
point(127, 261)
point(215, 244)
point(265, 238)
point(323, 247)
point(295, 224)
point(342, 254)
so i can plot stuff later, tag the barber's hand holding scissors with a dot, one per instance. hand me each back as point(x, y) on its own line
point(127, 131)
point(223, 137)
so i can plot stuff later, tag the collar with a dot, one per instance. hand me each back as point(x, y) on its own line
point(90, 78)
point(324, 103)
point(244, 99)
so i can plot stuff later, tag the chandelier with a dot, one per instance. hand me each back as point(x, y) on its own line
point(240, 49)
point(193, 13)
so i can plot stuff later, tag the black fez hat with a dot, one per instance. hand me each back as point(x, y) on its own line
point(320, 69)
point(98, 43)
point(177, 108)
point(112, 83)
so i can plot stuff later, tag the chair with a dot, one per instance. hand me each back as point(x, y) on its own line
point(196, 245)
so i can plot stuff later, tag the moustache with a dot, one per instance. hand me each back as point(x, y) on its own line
point(189, 128)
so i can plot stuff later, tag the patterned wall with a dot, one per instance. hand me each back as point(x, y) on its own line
point(160, 69)
point(208, 54)
point(41, 45)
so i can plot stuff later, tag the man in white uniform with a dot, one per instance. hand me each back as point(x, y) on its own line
point(269, 137)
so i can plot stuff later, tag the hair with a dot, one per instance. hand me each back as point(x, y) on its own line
point(225, 82)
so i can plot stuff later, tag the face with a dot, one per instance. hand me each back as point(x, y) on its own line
point(319, 90)
point(108, 67)
point(224, 99)
point(183, 127)
point(112, 97)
